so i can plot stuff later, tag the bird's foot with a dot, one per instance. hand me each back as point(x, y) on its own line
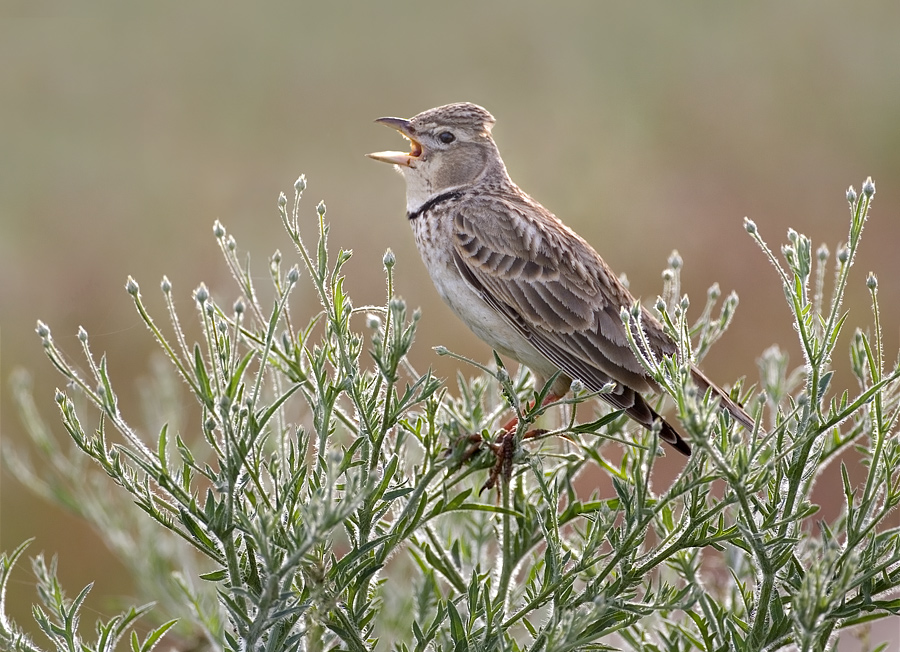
point(511, 425)
point(504, 450)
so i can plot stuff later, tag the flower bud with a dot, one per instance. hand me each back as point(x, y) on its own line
point(201, 294)
point(675, 260)
point(868, 187)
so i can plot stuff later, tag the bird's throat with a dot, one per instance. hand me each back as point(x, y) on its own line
point(450, 195)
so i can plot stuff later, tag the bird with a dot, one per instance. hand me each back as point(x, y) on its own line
point(517, 276)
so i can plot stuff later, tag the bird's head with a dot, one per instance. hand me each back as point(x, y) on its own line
point(450, 147)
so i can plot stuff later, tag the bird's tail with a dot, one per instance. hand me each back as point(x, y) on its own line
point(737, 411)
point(637, 408)
point(645, 415)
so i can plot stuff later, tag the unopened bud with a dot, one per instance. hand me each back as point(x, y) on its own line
point(201, 294)
point(675, 260)
point(868, 187)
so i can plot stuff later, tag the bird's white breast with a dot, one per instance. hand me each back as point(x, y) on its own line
point(434, 240)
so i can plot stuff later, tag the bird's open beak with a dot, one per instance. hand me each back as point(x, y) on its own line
point(399, 158)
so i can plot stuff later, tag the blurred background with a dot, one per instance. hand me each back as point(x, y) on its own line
point(126, 129)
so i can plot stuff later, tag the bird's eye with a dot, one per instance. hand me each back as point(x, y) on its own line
point(446, 137)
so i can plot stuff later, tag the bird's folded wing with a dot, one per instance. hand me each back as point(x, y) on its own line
point(554, 288)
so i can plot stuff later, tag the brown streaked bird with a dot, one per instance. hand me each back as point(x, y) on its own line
point(524, 282)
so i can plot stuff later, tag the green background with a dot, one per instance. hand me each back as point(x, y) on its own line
point(127, 128)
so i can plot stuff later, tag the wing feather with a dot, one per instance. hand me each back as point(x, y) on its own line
point(554, 288)
point(562, 297)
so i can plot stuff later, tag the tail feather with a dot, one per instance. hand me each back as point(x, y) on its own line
point(736, 409)
point(637, 408)
point(647, 417)
point(669, 435)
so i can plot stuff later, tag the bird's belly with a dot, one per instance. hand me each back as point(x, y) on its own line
point(483, 320)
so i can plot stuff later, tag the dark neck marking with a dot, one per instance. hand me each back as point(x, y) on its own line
point(431, 203)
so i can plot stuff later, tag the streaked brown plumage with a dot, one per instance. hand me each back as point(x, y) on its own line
point(523, 281)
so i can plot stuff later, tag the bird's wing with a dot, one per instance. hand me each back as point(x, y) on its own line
point(554, 288)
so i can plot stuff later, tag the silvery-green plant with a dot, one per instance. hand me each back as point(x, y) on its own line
point(331, 497)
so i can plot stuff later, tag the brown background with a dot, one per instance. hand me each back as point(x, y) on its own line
point(125, 130)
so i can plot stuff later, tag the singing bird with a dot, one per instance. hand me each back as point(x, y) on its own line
point(524, 282)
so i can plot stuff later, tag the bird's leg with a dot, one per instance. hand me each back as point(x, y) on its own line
point(505, 447)
point(512, 423)
point(504, 450)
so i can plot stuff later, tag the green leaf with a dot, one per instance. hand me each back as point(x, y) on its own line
point(215, 576)
point(202, 377)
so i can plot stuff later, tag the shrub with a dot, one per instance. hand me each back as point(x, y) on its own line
point(328, 498)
